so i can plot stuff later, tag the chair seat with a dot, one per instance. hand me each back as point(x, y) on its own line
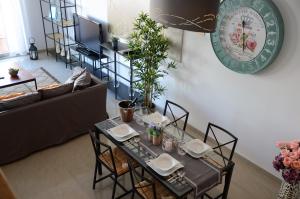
point(120, 159)
point(145, 190)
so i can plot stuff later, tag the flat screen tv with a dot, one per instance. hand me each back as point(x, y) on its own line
point(88, 33)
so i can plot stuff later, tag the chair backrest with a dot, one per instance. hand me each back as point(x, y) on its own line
point(223, 142)
point(176, 113)
point(138, 178)
point(97, 146)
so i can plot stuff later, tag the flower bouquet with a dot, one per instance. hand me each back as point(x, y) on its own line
point(288, 162)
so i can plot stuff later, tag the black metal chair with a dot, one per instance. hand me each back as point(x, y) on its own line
point(113, 159)
point(225, 150)
point(171, 108)
point(146, 188)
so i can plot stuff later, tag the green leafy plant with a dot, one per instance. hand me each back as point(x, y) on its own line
point(149, 47)
point(13, 71)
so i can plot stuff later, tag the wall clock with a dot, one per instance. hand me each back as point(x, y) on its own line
point(249, 34)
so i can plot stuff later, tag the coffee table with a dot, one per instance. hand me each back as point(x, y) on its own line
point(23, 77)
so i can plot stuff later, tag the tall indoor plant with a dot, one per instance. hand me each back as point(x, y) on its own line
point(150, 47)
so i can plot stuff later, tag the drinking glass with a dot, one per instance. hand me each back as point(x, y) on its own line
point(180, 148)
point(167, 144)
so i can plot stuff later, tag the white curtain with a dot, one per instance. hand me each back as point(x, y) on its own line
point(13, 26)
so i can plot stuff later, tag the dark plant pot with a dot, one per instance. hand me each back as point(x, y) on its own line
point(115, 44)
point(151, 109)
point(126, 111)
point(14, 74)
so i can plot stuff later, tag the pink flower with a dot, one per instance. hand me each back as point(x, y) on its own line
point(281, 144)
point(285, 153)
point(251, 44)
point(296, 165)
point(299, 152)
point(287, 161)
point(235, 38)
point(294, 144)
point(294, 155)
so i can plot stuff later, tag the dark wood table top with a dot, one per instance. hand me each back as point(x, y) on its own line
point(6, 80)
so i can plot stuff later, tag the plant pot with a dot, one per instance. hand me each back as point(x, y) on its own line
point(115, 44)
point(288, 191)
point(126, 112)
point(150, 109)
point(156, 139)
point(13, 72)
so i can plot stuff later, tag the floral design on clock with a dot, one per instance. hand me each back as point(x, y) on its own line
point(243, 34)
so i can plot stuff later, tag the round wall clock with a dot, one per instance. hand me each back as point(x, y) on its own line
point(249, 34)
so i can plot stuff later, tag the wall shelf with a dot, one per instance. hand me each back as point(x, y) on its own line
point(57, 29)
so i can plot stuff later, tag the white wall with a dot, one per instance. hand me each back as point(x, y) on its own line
point(259, 109)
point(96, 9)
point(33, 21)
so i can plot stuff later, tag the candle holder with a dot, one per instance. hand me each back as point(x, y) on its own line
point(168, 143)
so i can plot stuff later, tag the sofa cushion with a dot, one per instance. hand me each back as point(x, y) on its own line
point(19, 101)
point(77, 71)
point(55, 90)
point(83, 81)
point(54, 85)
point(11, 96)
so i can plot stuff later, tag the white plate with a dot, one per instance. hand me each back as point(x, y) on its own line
point(156, 118)
point(121, 131)
point(127, 137)
point(164, 162)
point(164, 173)
point(197, 148)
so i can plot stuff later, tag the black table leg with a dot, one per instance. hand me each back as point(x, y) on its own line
point(131, 80)
point(35, 84)
point(115, 69)
point(99, 149)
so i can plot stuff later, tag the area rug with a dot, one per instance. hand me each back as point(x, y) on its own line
point(43, 78)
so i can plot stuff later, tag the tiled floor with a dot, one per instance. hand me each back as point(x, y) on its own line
point(66, 171)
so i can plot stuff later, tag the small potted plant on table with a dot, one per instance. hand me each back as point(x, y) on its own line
point(154, 134)
point(13, 72)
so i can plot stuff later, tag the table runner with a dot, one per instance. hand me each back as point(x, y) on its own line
point(198, 173)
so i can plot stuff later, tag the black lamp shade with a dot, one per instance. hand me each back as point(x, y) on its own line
point(193, 15)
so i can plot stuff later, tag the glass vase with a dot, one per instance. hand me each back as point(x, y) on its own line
point(289, 191)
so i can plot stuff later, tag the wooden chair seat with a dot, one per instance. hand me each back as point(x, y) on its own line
point(120, 159)
point(145, 190)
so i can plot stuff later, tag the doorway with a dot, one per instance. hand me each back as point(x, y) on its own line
point(12, 34)
point(3, 39)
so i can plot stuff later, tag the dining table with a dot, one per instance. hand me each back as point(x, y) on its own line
point(200, 174)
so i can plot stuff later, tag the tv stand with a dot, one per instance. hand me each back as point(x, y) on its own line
point(85, 51)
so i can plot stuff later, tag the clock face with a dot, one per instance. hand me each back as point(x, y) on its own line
point(249, 34)
point(243, 34)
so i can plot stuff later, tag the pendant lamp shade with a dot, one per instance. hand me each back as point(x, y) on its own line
point(193, 15)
